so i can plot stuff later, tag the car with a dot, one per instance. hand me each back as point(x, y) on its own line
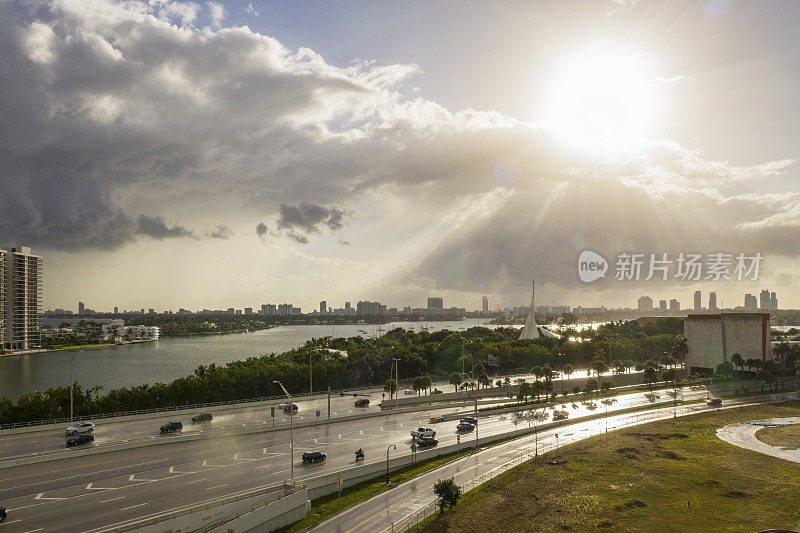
point(288, 406)
point(424, 442)
point(202, 417)
point(171, 427)
point(560, 415)
point(420, 433)
point(464, 427)
point(409, 391)
point(81, 427)
point(470, 420)
point(3, 514)
point(436, 419)
point(714, 402)
point(436, 391)
point(83, 438)
point(314, 457)
point(519, 380)
point(362, 402)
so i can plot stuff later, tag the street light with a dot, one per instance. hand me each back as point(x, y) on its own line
point(291, 426)
point(310, 376)
point(391, 447)
point(71, 382)
point(396, 386)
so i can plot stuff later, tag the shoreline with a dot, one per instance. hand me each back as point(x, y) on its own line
point(73, 348)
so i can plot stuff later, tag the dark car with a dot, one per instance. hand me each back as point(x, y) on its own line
point(470, 420)
point(171, 427)
point(314, 457)
point(80, 439)
point(714, 402)
point(463, 426)
point(363, 402)
point(3, 514)
point(202, 417)
point(424, 442)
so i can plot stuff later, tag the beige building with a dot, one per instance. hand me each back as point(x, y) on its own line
point(714, 338)
point(21, 300)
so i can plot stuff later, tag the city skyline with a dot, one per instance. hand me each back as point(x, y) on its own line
point(266, 153)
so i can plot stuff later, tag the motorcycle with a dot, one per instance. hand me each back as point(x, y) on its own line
point(359, 456)
point(3, 514)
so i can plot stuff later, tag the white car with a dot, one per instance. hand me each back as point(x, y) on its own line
point(420, 433)
point(81, 427)
point(409, 391)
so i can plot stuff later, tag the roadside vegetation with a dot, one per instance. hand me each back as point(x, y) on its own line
point(664, 476)
point(343, 363)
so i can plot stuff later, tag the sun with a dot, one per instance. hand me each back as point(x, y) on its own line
point(601, 99)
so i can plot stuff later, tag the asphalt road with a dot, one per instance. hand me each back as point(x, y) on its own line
point(405, 504)
point(82, 493)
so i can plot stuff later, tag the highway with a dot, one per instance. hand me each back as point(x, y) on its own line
point(410, 502)
point(83, 493)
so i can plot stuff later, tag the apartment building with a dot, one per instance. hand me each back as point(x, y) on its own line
point(21, 300)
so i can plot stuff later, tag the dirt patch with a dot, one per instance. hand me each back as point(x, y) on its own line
point(671, 455)
point(735, 494)
point(630, 504)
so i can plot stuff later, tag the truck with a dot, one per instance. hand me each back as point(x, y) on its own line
point(420, 433)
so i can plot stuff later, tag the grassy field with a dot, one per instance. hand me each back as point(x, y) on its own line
point(787, 437)
point(665, 476)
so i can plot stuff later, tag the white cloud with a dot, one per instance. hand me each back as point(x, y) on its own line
point(217, 13)
point(251, 10)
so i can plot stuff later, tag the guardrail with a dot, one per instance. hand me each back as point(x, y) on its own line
point(282, 491)
point(172, 408)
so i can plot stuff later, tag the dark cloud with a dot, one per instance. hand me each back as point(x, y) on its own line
point(157, 228)
point(262, 230)
point(222, 232)
point(299, 221)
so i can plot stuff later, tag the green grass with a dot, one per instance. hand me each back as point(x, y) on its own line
point(785, 437)
point(673, 475)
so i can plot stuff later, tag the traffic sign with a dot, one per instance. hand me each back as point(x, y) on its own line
point(760, 383)
point(272, 411)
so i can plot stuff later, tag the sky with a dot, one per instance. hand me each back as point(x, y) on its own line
point(172, 154)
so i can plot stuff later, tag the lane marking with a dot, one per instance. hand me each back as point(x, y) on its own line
point(112, 499)
point(41, 497)
point(217, 486)
point(195, 481)
point(132, 506)
point(34, 530)
point(97, 464)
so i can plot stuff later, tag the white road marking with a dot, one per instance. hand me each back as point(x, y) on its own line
point(112, 499)
point(195, 481)
point(90, 487)
point(34, 530)
point(40, 497)
point(15, 521)
point(133, 506)
point(217, 486)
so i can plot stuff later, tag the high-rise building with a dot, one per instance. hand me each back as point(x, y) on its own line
point(81, 308)
point(773, 301)
point(20, 305)
point(370, 308)
point(645, 303)
point(248, 310)
point(750, 302)
point(698, 302)
point(116, 310)
point(662, 306)
point(323, 307)
point(347, 305)
point(435, 303)
point(485, 305)
point(674, 306)
point(712, 301)
point(764, 299)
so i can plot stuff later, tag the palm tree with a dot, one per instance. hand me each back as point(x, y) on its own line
point(750, 363)
point(455, 380)
point(681, 348)
point(737, 360)
point(567, 371)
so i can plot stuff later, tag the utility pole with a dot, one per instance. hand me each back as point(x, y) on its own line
point(310, 376)
point(396, 385)
point(329, 403)
point(387, 461)
point(291, 427)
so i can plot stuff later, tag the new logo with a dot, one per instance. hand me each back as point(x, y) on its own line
point(591, 266)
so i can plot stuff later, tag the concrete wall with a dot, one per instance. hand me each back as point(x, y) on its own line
point(714, 338)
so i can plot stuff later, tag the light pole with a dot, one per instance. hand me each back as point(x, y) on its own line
point(310, 376)
point(397, 386)
point(391, 447)
point(291, 426)
point(71, 382)
point(536, 435)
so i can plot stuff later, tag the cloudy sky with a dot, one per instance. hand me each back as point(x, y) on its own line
point(214, 154)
